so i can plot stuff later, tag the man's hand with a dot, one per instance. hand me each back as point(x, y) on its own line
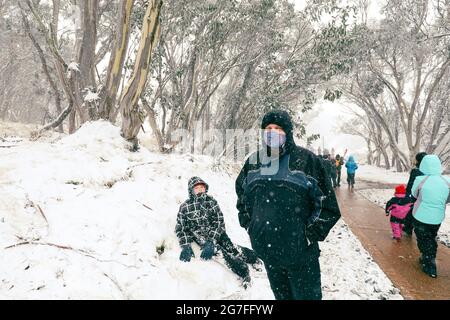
point(312, 234)
point(244, 220)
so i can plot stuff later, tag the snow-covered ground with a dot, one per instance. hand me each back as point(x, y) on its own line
point(381, 175)
point(11, 129)
point(73, 206)
point(381, 196)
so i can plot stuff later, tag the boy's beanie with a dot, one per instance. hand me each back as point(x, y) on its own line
point(400, 189)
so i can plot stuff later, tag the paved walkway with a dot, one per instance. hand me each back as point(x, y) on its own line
point(399, 260)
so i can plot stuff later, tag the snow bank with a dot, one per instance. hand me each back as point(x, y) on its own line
point(15, 129)
point(86, 217)
point(348, 270)
point(381, 196)
point(375, 174)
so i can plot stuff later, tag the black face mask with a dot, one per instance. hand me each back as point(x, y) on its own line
point(200, 195)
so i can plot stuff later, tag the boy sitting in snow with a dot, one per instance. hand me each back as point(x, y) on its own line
point(201, 220)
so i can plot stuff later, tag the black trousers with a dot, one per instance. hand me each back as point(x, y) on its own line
point(236, 257)
point(408, 222)
point(426, 238)
point(296, 283)
point(351, 178)
point(339, 177)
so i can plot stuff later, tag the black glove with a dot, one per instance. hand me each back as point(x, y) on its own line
point(208, 250)
point(186, 253)
point(312, 234)
point(244, 219)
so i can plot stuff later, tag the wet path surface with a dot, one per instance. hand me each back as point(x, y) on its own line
point(365, 184)
point(399, 260)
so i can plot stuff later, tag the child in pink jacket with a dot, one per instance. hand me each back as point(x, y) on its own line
point(398, 207)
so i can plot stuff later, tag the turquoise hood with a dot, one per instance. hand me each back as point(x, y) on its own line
point(351, 159)
point(431, 165)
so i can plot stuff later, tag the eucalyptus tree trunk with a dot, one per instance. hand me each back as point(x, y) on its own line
point(85, 78)
point(132, 117)
point(116, 62)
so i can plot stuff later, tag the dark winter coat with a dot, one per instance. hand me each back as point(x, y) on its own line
point(333, 168)
point(339, 164)
point(199, 218)
point(412, 176)
point(398, 207)
point(285, 213)
point(329, 167)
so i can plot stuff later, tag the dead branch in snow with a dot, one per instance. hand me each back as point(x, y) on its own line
point(80, 251)
point(145, 205)
point(140, 164)
point(40, 210)
point(42, 244)
point(117, 285)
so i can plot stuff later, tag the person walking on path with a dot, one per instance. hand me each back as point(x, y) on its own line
point(398, 207)
point(200, 220)
point(330, 167)
point(333, 172)
point(415, 172)
point(287, 204)
point(432, 193)
point(351, 170)
point(339, 164)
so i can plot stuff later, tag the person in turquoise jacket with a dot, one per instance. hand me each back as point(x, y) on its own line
point(432, 193)
point(351, 170)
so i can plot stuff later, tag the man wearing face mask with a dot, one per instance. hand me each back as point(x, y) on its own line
point(200, 220)
point(287, 204)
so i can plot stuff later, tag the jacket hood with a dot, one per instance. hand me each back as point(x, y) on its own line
point(351, 159)
point(283, 119)
point(419, 158)
point(192, 182)
point(431, 165)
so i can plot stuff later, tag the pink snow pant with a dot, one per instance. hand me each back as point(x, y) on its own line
point(397, 229)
